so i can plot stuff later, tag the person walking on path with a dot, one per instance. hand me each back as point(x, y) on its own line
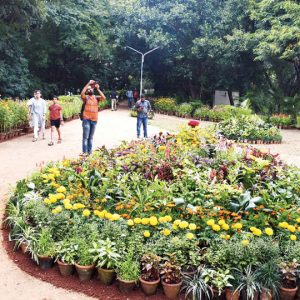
point(129, 95)
point(90, 114)
point(56, 119)
point(37, 110)
point(113, 99)
point(143, 107)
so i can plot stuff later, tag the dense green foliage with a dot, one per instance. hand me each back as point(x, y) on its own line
point(251, 46)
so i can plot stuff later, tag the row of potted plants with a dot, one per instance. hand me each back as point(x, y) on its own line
point(193, 199)
point(249, 129)
point(282, 121)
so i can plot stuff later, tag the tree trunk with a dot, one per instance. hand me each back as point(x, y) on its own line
point(230, 97)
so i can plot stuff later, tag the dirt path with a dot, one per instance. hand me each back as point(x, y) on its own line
point(20, 157)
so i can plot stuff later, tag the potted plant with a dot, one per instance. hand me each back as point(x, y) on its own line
point(149, 278)
point(218, 279)
point(106, 255)
point(269, 278)
point(249, 286)
point(171, 279)
point(128, 273)
point(84, 261)
point(66, 253)
point(288, 288)
point(44, 247)
point(195, 286)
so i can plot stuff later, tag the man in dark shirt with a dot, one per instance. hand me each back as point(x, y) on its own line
point(143, 107)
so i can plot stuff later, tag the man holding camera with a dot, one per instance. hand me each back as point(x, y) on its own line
point(143, 107)
point(90, 113)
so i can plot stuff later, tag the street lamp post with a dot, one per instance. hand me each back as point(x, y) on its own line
point(142, 64)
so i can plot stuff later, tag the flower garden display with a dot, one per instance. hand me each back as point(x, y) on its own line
point(200, 201)
point(281, 120)
point(250, 129)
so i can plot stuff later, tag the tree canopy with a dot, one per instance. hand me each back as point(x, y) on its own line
point(250, 46)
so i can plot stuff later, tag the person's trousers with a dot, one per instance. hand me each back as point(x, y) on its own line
point(37, 129)
point(130, 100)
point(113, 104)
point(140, 121)
point(89, 128)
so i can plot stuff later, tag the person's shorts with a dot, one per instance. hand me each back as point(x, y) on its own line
point(55, 123)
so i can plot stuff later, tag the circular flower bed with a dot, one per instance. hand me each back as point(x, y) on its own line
point(249, 129)
point(182, 208)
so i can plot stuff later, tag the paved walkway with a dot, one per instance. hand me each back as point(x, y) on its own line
point(20, 157)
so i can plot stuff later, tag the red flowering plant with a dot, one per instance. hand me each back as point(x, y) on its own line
point(193, 123)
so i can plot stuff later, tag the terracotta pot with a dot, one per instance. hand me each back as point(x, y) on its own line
point(266, 295)
point(171, 290)
point(298, 294)
point(24, 247)
point(106, 276)
point(232, 295)
point(126, 286)
point(149, 287)
point(65, 269)
point(45, 262)
point(244, 296)
point(84, 272)
point(288, 294)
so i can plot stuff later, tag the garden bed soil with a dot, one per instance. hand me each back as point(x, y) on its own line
point(92, 288)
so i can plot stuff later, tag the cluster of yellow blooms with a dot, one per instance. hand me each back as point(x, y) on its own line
point(103, 214)
point(290, 228)
point(52, 173)
point(222, 225)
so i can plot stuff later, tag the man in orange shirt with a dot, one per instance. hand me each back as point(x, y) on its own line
point(90, 114)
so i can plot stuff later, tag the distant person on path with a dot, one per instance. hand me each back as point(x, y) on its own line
point(90, 114)
point(143, 107)
point(113, 99)
point(37, 110)
point(136, 95)
point(129, 95)
point(56, 119)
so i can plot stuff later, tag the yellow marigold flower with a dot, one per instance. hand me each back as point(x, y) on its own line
point(177, 222)
point(101, 214)
point(221, 222)
point(192, 226)
point(237, 226)
point(210, 222)
point(153, 221)
point(216, 227)
point(96, 212)
point(68, 206)
point(45, 176)
point(45, 181)
point(252, 228)
point(166, 232)
point(116, 217)
point(227, 237)
point(168, 218)
point(245, 242)
point(61, 189)
point(190, 235)
point(60, 196)
point(269, 231)
point(54, 211)
point(108, 216)
point(59, 208)
point(298, 220)
point(145, 221)
point(175, 227)
point(293, 237)
point(257, 232)
point(130, 222)
point(162, 148)
point(66, 201)
point(47, 201)
point(137, 220)
point(103, 200)
point(291, 228)
point(225, 226)
point(162, 220)
point(183, 224)
point(222, 236)
point(146, 233)
point(86, 212)
point(283, 224)
point(51, 177)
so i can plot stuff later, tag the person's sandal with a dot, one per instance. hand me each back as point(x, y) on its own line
point(34, 139)
point(59, 141)
point(50, 144)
